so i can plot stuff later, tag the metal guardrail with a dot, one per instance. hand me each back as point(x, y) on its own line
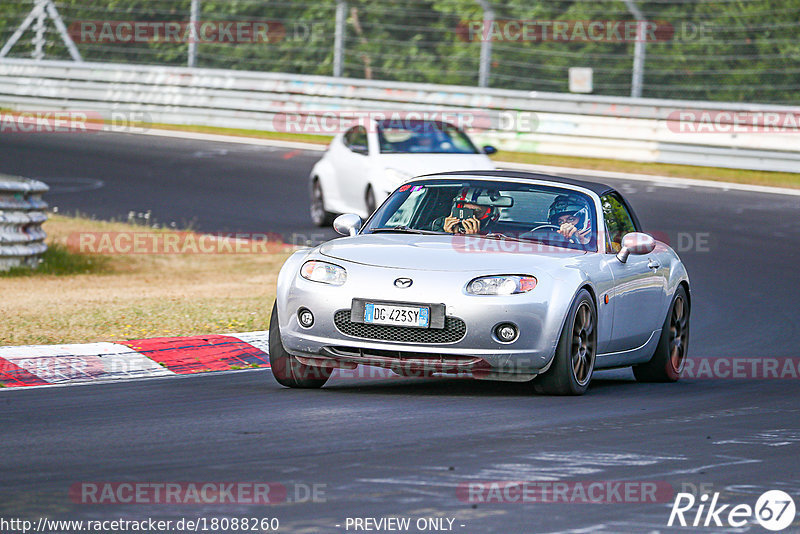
point(21, 217)
point(579, 125)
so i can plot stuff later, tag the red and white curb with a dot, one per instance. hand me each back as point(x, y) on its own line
point(40, 365)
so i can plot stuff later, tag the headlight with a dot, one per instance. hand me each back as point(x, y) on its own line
point(501, 285)
point(324, 272)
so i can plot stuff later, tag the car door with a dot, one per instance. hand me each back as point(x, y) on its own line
point(352, 167)
point(639, 284)
point(340, 155)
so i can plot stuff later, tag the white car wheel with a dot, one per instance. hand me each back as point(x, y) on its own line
point(319, 215)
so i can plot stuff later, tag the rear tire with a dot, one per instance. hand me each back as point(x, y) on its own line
point(673, 345)
point(319, 215)
point(286, 369)
point(573, 363)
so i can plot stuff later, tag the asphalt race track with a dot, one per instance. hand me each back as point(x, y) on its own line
point(214, 187)
point(401, 447)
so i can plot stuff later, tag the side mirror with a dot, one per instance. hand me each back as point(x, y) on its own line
point(360, 149)
point(635, 243)
point(489, 150)
point(347, 224)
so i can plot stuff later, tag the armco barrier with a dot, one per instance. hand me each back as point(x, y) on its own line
point(580, 125)
point(21, 217)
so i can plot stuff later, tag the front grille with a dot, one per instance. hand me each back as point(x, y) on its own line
point(454, 330)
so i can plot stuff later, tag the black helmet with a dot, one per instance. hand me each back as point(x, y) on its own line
point(572, 205)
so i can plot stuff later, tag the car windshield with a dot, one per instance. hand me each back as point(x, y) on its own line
point(505, 210)
point(422, 137)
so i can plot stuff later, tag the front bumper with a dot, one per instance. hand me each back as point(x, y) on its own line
point(538, 319)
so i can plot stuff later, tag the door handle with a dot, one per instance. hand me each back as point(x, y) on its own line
point(653, 264)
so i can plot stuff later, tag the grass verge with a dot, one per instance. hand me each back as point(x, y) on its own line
point(83, 298)
point(240, 132)
point(776, 179)
point(58, 260)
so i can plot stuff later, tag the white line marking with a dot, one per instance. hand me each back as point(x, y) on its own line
point(258, 141)
point(695, 470)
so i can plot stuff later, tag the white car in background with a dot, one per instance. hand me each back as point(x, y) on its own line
point(363, 165)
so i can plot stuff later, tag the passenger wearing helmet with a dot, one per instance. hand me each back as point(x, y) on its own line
point(481, 219)
point(571, 215)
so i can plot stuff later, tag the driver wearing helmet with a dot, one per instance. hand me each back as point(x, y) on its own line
point(571, 215)
point(483, 215)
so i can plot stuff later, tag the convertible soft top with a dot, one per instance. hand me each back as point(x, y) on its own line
point(598, 188)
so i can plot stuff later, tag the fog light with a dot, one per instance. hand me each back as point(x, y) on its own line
point(305, 317)
point(506, 332)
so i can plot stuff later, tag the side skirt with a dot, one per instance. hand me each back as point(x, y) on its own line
point(629, 357)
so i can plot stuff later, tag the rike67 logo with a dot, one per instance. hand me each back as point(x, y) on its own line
point(774, 510)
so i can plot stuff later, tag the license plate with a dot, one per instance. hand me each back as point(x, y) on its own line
point(414, 316)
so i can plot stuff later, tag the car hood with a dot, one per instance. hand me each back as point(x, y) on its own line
point(447, 253)
point(418, 164)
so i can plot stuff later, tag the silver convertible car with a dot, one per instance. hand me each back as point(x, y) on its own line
point(498, 275)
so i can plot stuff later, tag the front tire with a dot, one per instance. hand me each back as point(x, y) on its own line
point(573, 364)
point(673, 345)
point(319, 215)
point(369, 200)
point(286, 369)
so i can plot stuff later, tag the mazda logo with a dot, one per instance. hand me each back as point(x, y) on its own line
point(403, 283)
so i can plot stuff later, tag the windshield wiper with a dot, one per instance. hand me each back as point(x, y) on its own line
point(401, 229)
point(494, 235)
